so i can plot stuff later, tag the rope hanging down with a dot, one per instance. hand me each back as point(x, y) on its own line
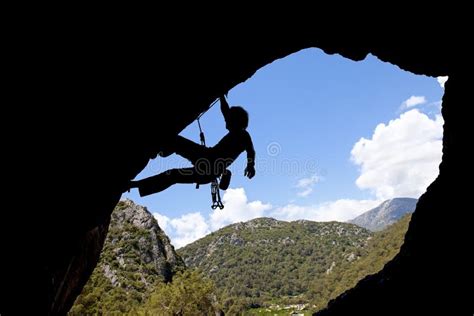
point(215, 194)
point(201, 133)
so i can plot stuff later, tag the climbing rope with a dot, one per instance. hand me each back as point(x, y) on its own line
point(215, 192)
point(208, 108)
point(201, 133)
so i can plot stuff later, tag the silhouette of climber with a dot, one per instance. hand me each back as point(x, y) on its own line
point(208, 162)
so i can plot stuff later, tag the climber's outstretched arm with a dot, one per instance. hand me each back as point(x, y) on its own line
point(224, 107)
point(250, 169)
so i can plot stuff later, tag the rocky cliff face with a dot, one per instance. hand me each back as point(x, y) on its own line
point(137, 254)
point(135, 229)
point(385, 214)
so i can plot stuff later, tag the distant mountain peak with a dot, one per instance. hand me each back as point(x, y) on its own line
point(387, 213)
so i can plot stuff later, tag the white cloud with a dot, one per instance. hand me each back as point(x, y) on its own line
point(442, 80)
point(306, 182)
point(306, 185)
point(339, 210)
point(163, 221)
point(237, 209)
point(192, 226)
point(305, 192)
point(413, 101)
point(189, 227)
point(185, 229)
point(401, 158)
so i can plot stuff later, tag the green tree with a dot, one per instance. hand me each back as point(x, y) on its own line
point(189, 294)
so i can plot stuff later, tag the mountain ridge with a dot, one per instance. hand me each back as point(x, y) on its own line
point(264, 259)
point(385, 214)
point(255, 263)
point(276, 264)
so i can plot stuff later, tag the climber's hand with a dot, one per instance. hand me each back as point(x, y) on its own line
point(224, 95)
point(249, 171)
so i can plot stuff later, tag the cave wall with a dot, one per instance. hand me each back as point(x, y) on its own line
point(111, 97)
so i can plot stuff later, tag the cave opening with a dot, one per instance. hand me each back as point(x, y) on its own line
point(387, 153)
point(84, 70)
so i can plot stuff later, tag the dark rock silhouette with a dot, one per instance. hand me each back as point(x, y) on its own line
point(101, 101)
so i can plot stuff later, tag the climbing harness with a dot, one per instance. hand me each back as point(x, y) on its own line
point(215, 192)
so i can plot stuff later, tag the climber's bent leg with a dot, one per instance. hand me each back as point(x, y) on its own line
point(161, 181)
point(166, 179)
point(190, 150)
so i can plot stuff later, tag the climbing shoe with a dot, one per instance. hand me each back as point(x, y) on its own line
point(225, 180)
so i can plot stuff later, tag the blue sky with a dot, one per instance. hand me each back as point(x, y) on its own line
point(333, 138)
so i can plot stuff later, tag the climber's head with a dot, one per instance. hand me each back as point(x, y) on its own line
point(238, 118)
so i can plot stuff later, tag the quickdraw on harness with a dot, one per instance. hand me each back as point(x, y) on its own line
point(215, 192)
